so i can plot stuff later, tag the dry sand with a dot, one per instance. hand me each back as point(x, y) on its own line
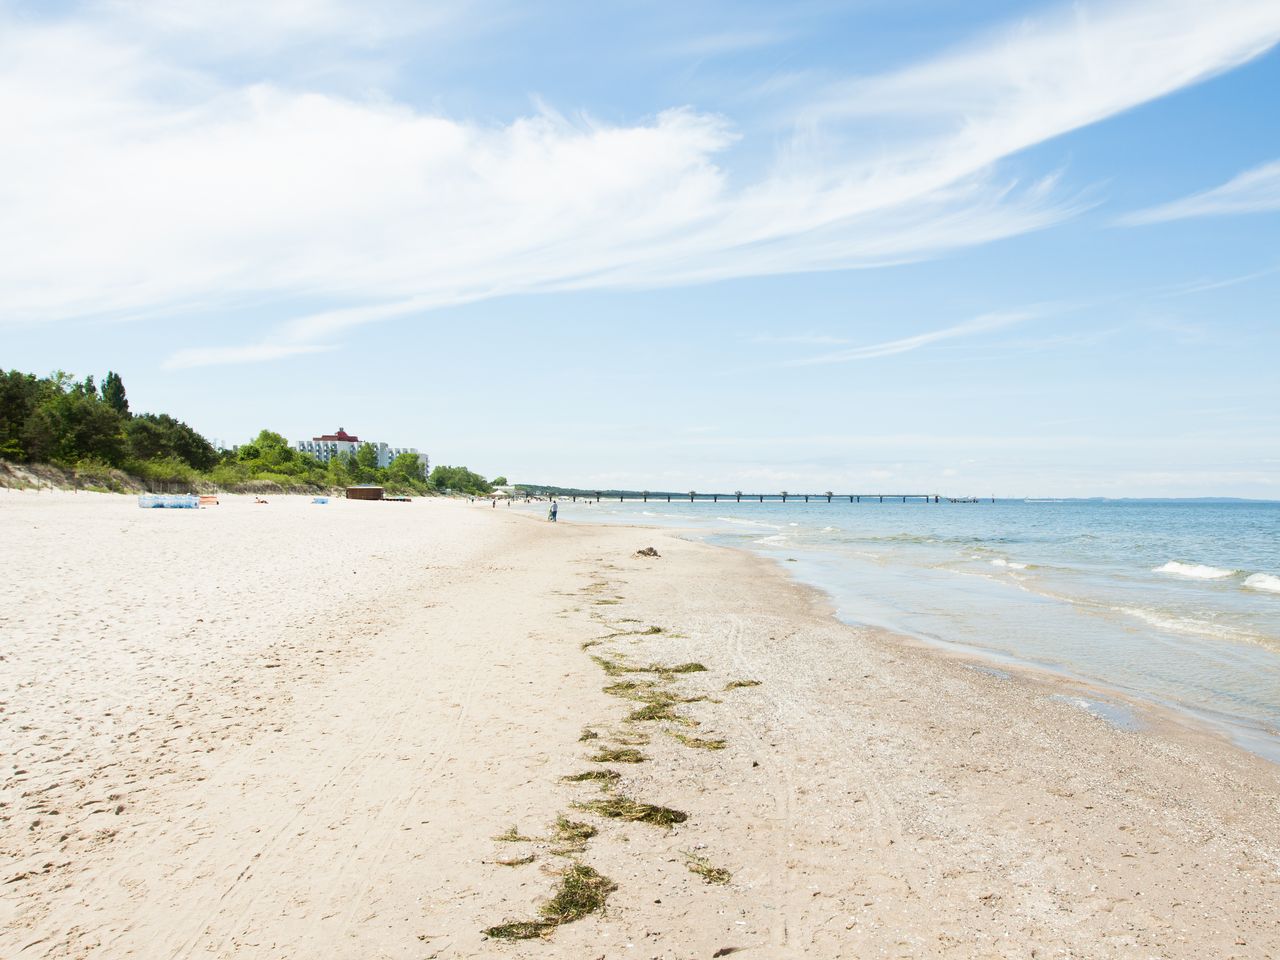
point(293, 731)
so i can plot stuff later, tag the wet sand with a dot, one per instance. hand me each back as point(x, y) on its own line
point(294, 730)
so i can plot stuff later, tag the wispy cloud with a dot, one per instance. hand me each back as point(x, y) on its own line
point(252, 353)
point(1203, 286)
point(718, 44)
point(978, 325)
point(175, 185)
point(812, 339)
point(1254, 191)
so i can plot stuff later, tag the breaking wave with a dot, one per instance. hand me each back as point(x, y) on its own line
point(1196, 571)
point(1266, 582)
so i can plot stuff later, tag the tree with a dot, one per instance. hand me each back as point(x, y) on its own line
point(157, 436)
point(338, 470)
point(406, 467)
point(113, 393)
point(459, 480)
point(499, 481)
point(87, 428)
point(364, 465)
point(20, 395)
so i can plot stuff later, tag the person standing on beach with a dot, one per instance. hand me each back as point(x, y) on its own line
point(551, 514)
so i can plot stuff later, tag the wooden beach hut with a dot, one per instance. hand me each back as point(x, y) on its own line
point(364, 491)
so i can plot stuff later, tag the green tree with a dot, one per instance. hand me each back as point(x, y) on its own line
point(20, 395)
point(364, 465)
point(499, 481)
point(156, 436)
point(459, 480)
point(406, 467)
point(113, 393)
point(338, 470)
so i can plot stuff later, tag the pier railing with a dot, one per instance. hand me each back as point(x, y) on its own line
point(739, 497)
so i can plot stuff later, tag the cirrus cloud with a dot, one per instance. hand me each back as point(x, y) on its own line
point(132, 183)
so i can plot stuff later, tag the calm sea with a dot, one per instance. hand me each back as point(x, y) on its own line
point(1173, 602)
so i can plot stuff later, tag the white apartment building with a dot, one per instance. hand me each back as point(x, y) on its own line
point(331, 444)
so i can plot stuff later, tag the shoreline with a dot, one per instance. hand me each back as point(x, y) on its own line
point(1242, 732)
point(315, 721)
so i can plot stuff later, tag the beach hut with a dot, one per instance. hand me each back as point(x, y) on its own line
point(364, 491)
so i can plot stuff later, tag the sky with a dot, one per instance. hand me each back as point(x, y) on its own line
point(1013, 249)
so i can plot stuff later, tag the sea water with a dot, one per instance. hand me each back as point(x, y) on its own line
point(1176, 602)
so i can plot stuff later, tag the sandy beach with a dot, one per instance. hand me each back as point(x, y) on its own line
point(291, 730)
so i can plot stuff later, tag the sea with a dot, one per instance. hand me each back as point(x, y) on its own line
point(1171, 602)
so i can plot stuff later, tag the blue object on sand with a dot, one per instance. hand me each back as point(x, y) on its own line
point(319, 499)
point(179, 501)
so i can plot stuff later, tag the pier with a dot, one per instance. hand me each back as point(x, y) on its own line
point(783, 497)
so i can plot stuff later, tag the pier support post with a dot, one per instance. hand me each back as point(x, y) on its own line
point(806, 498)
point(882, 499)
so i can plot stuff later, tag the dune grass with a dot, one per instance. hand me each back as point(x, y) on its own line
point(618, 807)
point(618, 755)
point(698, 742)
point(703, 868)
point(582, 891)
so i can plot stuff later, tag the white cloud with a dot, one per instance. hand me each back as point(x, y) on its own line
point(131, 183)
point(983, 324)
point(1254, 191)
point(252, 353)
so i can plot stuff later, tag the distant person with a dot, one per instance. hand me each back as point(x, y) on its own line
point(551, 514)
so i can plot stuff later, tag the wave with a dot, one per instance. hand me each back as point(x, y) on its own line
point(1196, 571)
point(770, 541)
point(1012, 565)
point(749, 523)
point(1266, 582)
point(1192, 626)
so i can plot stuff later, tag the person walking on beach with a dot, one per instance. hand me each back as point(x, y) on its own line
point(551, 514)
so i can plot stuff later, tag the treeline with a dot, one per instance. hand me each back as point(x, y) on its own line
point(546, 490)
point(90, 430)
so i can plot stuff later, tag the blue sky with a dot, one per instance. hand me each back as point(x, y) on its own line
point(1027, 250)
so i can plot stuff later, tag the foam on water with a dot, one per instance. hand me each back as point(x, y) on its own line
point(1012, 565)
point(1196, 571)
point(1190, 625)
point(1265, 582)
point(749, 523)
